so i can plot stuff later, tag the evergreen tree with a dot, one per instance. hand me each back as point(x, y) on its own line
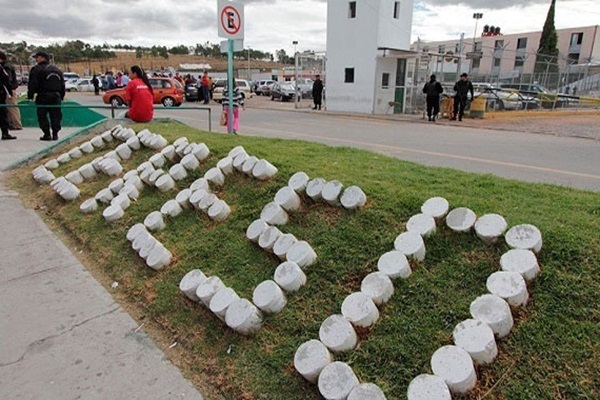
point(546, 63)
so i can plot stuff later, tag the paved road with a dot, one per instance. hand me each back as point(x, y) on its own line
point(567, 161)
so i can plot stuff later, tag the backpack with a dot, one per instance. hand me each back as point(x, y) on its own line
point(53, 79)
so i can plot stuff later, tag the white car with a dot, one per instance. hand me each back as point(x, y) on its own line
point(71, 85)
point(85, 85)
point(242, 85)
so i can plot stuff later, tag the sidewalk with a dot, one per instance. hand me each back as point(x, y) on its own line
point(62, 336)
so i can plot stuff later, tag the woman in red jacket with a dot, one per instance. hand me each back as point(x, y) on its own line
point(139, 96)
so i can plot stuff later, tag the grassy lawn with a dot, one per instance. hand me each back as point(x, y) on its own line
point(551, 353)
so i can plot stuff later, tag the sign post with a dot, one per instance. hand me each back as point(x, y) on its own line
point(230, 27)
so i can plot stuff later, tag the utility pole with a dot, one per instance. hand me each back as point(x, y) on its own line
point(460, 50)
point(477, 17)
point(296, 97)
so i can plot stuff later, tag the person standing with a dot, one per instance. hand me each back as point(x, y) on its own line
point(462, 89)
point(139, 96)
point(317, 92)
point(433, 89)
point(125, 79)
point(14, 115)
point(5, 93)
point(205, 86)
point(96, 84)
point(47, 81)
point(238, 101)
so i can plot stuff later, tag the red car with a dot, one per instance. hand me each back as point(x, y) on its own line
point(167, 91)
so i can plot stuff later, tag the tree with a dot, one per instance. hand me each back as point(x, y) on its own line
point(546, 63)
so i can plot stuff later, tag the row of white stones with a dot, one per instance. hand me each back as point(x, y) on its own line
point(148, 247)
point(313, 359)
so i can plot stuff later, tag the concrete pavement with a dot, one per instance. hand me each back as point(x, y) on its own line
point(62, 336)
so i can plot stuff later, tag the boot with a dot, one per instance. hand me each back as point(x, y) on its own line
point(6, 135)
point(46, 136)
point(55, 135)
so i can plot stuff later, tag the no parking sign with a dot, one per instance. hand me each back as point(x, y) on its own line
point(230, 17)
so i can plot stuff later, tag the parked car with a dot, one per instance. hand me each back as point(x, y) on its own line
point(79, 85)
point(191, 92)
point(305, 86)
point(167, 91)
point(545, 97)
point(284, 92)
point(263, 88)
point(219, 87)
point(71, 85)
point(70, 75)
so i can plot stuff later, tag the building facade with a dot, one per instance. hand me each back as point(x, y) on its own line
point(368, 43)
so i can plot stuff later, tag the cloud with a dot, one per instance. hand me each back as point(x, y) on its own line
point(489, 5)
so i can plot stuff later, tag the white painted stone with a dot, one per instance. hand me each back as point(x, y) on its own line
point(366, 391)
point(134, 181)
point(455, 367)
point(289, 276)
point(239, 160)
point(112, 213)
point(157, 160)
point(207, 289)
point(494, 311)
point(111, 167)
point(147, 247)
point(75, 152)
point(215, 176)
point(107, 137)
point(331, 192)
point(437, 207)
point(140, 240)
point(168, 152)
point(159, 258)
point(144, 134)
point(127, 134)
point(178, 172)
point(490, 227)
point(310, 359)
point(180, 141)
point(201, 151)
point(63, 158)
point(207, 201)
point(112, 155)
point(55, 182)
point(88, 206)
point(183, 198)
point(190, 282)
point(378, 286)
point(158, 142)
point(269, 297)
point(190, 162)
point(314, 188)
point(219, 211)
point(268, 238)
point(154, 221)
point(524, 237)
point(249, 164)
point(233, 153)
point(97, 142)
point(360, 310)
point(133, 143)
point(96, 163)
point(255, 229)
point(86, 147)
point(145, 176)
point(104, 196)
point(130, 174)
point(428, 387)
point(165, 183)
point(87, 171)
point(222, 300)
point(135, 231)
point(189, 148)
point(154, 175)
point(336, 381)
point(288, 199)
point(52, 164)
point(243, 317)
point(394, 264)
point(302, 254)
point(130, 191)
point(42, 175)
point(283, 244)
point(523, 262)
point(411, 244)
point(179, 149)
point(124, 151)
point(509, 286)
point(69, 193)
point(121, 200)
point(461, 219)
point(338, 334)
point(274, 214)
point(477, 339)
point(298, 182)
point(264, 170)
point(116, 185)
point(422, 224)
point(143, 166)
point(171, 208)
point(74, 177)
point(200, 183)
point(225, 165)
point(195, 198)
point(353, 198)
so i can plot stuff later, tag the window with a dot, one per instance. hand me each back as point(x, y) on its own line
point(499, 44)
point(519, 61)
point(497, 62)
point(573, 58)
point(352, 9)
point(478, 46)
point(397, 10)
point(349, 75)
point(476, 63)
point(522, 43)
point(576, 38)
point(385, 80)
point(441, 49)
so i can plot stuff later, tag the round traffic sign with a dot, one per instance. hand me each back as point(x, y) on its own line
point(231, 20)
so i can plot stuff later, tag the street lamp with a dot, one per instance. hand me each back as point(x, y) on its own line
point(296, 99)
point(477, 17)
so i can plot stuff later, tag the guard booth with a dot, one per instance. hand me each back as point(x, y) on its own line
point(391, 89)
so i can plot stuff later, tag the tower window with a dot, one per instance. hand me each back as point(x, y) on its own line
point(349, 75)
point(397, 10)
point(352, 9)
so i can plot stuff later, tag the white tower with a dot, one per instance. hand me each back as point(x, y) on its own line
point(368, 42)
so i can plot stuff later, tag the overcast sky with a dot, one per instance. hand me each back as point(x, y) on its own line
point(270, 24)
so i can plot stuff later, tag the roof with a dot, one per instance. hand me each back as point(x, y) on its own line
point(399, 53)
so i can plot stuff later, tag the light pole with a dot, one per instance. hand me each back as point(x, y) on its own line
point(296, 99)
point(248, 66)
point(477, 17)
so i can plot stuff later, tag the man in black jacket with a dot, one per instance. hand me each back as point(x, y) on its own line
point(462, 89)
point(317, 92)
point(433, 89)
point(5, 93)
point(48, 82)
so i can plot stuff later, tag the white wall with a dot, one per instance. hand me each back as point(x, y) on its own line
point(384, 95)
point(395, 33)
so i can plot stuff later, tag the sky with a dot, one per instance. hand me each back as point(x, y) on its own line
point(269, 24)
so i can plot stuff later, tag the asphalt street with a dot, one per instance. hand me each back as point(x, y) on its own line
point(566, 161)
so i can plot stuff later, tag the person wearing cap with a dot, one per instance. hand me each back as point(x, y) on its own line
point(5, 93)
point(47, 83)
point(462, 89)
point(433, 89)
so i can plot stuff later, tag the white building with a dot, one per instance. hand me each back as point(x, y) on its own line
point(368, 42)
